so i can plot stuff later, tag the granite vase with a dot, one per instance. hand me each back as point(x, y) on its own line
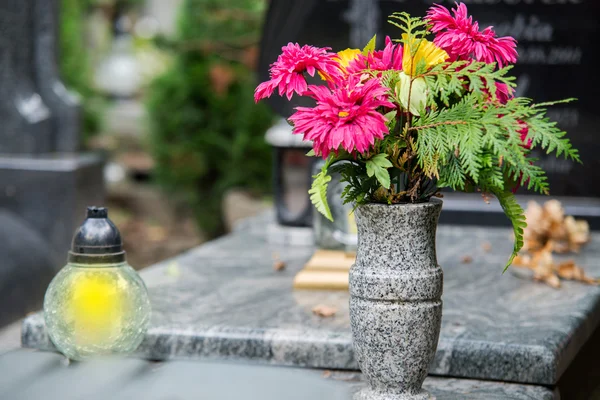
point(395, 298)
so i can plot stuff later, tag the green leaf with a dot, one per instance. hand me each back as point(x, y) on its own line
point(378, 166)
point(370, 46)
point(318, 192)
point(311, 153)
point(391, 115)
point(412, 93)
point(515, 213)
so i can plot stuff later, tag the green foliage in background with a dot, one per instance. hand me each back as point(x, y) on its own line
point(74, 63)
point(207, 133)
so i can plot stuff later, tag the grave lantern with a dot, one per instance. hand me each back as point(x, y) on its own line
point(292, 175)
point(97, 304)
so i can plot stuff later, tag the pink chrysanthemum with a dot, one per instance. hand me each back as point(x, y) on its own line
point(504, 92)
point(287, 72)
point(461, 38)
point(388, 58)
point(346, 117)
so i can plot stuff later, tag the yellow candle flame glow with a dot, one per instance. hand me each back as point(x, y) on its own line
point(97, 308)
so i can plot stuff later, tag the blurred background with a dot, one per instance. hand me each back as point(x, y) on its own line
point(167, 90)
point(143, 106)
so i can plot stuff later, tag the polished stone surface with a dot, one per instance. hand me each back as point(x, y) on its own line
point(28, 375)
point(224, 300)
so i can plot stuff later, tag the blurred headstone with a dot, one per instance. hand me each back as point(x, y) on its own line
point(558, 42)
point(45, 185)
point(26, 267)
point(64, 105)
point(26, 125)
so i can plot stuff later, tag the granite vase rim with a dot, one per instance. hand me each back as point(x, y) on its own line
point(433, 202)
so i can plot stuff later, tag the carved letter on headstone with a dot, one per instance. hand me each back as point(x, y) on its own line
point(24, 119)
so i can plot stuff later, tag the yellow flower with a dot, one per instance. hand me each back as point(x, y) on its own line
point(424, 51)
point(344, 58)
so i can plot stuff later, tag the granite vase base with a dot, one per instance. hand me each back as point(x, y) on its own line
point(372, 394)
point(395, 289)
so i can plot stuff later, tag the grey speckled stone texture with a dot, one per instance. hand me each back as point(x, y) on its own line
point(223, 299)
point(395, 298)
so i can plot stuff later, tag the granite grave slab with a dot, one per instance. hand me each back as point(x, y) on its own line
point(224, 300)
point(30, 374)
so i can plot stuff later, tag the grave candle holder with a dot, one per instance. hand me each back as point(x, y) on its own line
point(291, 175)
point(97, 304)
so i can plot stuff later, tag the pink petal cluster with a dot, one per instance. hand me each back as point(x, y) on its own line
point(504, 92)
point(287, 73)
point(388, 58)
point(460, 37)
point(345, 117)
point(524, 131)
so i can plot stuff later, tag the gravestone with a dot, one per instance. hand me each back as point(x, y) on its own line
point(45, 185)
point(26, 267)
point(25, 126)
point(558, 41)
point(64, 105)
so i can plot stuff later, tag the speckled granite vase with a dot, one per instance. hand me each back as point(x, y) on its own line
point(395, 298)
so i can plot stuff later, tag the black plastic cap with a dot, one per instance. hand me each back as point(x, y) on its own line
point(97, 240)
point(97, 212)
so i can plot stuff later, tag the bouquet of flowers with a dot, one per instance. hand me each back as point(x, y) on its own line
point(401, 123)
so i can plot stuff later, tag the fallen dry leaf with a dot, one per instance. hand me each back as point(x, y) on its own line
point(278, 265)
point(173, 269)
point(541, 262)
point(578, 232)
point(466, 259)
point(548, 224)
point(571, 271)
point(550, 279)
point(324, 311)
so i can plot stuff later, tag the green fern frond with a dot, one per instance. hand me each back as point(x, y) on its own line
point(414, 27)
point(318, 193)
point(515, 213)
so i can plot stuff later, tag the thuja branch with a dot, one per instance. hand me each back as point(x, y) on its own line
point(416, 128)
point(553, 103)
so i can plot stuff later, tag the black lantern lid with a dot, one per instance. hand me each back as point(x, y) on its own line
point(97, 240)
